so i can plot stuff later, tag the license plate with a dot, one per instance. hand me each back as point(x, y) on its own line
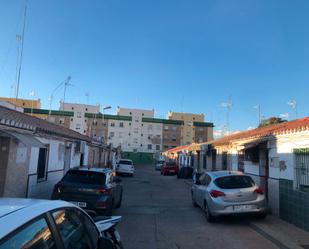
point(242, 207)
point(172, 171)
point(79, 204)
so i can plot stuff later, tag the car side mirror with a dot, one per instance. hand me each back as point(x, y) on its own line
point(105, 243)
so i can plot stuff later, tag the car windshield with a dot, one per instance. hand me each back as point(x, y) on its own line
point(125, 162)
point(85, 177)
point(232, 182)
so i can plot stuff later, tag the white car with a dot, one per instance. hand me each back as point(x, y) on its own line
point(32, 224)
point(125, 166)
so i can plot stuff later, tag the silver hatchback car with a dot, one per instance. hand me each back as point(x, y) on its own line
point(228, 192)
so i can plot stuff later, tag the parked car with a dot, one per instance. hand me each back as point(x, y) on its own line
point(125, 167)
point(169, 168)
point(185, 173)
point(226, 193)
point(97, 190)
point(32, 224)
point(159, 164)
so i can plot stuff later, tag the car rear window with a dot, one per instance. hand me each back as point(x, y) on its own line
point(85, 177)
point(125, 162)
point(171, 164)
point(231, 182)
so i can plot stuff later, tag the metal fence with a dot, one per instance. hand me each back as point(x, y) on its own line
point(302, 168)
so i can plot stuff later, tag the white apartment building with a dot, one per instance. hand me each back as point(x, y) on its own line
point(131, 134)
point(78, 122)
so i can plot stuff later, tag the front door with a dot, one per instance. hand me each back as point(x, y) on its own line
point(224, 161)
point(214, 159)
point(264, 170)
point(4, 156)
point(67, 158)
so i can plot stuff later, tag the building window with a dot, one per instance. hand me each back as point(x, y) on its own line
point(166, 127)
point(72, 108)
point(149, 127)
point(142, 135)
point(193, 118)
point(71, 119)
point(174, 128)
point(141, 145)
point(79, 114)
point(111, 134)
point(142, 114)
point(86, 109)
point(158, 147)
point(77, 127)
point(112, 124)
point(42, 164)
point(301, 168)
point(130, 124)
point(61, 121)
point(149, 146)
point(165, 146)
point(121, 124)
point(129, 134)
point(130, 113)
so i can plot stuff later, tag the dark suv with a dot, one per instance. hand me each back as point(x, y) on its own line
point(96, 190)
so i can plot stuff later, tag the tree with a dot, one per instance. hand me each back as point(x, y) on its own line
point(271, 121)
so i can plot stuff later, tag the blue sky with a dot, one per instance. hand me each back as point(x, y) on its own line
point(178, 55)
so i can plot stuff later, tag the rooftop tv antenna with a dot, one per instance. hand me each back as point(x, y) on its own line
point(228, 105)
point(293, 105)
point(20, 50)
point(258, 108)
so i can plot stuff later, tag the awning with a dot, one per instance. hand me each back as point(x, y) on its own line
point(26, 139)
point(255, 143)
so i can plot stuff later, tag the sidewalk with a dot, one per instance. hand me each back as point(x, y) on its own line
point(282, 233)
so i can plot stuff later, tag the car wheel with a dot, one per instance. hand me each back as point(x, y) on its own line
point(209, 216)
point(193, 201)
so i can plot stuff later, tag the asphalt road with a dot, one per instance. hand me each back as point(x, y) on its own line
point(158, 214)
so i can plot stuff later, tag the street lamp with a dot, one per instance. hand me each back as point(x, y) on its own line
point(104, 108)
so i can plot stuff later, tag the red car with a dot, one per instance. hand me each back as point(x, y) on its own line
point(169, 168)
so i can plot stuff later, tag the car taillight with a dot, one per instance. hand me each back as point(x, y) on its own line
point(216, 193)
point(103, 191)
point(259, 191)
